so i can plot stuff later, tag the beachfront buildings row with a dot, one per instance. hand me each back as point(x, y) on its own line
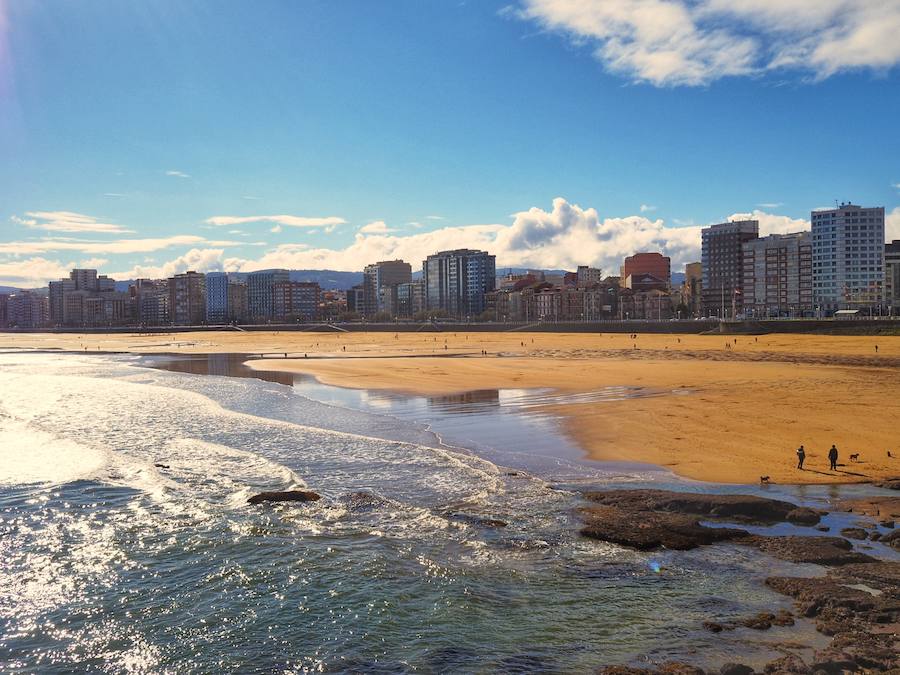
point(841, 265)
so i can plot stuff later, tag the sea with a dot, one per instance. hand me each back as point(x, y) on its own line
point(446, 540)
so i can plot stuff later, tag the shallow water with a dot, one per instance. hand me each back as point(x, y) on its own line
point(114, 564)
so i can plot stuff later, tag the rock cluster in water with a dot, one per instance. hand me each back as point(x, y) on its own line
point(285, 496)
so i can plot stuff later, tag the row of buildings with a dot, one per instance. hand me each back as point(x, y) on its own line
point(841, 265)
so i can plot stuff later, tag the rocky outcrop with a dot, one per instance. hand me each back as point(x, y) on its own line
point(857, 604)
point(818, 550)
point(285, 496)
point(667, 668)
point(761, 621)
point(733, 508)
point(648, 530)
point(883, 508)
point(854, 533)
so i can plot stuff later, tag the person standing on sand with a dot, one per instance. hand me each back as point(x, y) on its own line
point(801, 455)
point(833, 457)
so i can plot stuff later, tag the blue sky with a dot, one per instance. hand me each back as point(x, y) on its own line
point(148, 138)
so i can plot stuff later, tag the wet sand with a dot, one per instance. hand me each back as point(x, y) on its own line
point(726, 415)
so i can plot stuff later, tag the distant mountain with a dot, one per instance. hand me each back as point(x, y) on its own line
point(9, 289)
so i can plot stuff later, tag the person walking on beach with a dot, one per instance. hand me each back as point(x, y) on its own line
point(833, 457)
point(801, 455)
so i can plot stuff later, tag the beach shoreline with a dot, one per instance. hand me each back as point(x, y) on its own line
point(723, 409)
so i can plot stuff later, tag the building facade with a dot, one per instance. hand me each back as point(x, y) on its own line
point(216, 297)
point(296, 301)
point(722, 259)
point(693, 284)
point(261, 293)
point(457, 281)
point(848, 257)
point(778, 280)
point(892, 276)
point(387, 274)
point(86, 299)
point(27, 310)
point(652, 263)
point(187, 299)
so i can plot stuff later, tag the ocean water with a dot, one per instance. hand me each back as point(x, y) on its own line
point(114, 564)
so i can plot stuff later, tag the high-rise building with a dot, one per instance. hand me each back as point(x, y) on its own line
point(261, 293)
point(892, 276)
point(4, 307)
point(588, 276)
point(216, 297)
point(410, 299)
point(693, 284)
point(848, 257)
point(28, 310)
point(778, 276)
point(150, 301)
point(86, 299)
point(296, 300)
point(456, 281)
point(381, 275)
point(722, 260)
point(187, 299)
point(652, 263)
point(237, 302)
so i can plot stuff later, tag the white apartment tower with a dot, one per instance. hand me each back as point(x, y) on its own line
point(848, 257)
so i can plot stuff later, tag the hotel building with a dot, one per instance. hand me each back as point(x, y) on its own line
point(457, 281)
point(848, 257)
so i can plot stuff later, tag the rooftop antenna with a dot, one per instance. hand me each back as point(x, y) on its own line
point(835, 203)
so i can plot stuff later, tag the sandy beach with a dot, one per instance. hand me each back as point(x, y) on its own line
point(710, 408)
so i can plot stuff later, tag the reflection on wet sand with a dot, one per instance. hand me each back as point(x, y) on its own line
point(226, 365)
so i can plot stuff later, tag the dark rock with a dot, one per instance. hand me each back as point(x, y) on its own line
point(161, 466)
point(890, 484)
point(648, 530)
point(875, 536)
point(892, 539)
point(363, 501)
point(285, 496)
point(854, 533)
point(478, 521)
point(735, 669)
point(889, 524)
point(818, 550)
point(738, 508)
point(823, 528)
point(713, 626)
point(787, 664)
point(679, 668)
point(881, 508)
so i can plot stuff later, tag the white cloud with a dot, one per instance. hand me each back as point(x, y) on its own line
point(694, 42)
point(177, 174)
point(896, 186)
point(435, 218)
point(113, 194)
point(32, 272)
point(892, 224)
point(275, 228)
point(67, 221)
point(110, 247)
point(93, 263)
point(292, 221)
point(770, 205)
point(197, 260)
point(375, 227)
point(773, 224)
point(647, 207)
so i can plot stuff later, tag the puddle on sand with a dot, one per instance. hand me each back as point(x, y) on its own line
point(516, 428)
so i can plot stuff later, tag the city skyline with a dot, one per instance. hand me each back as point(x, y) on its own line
point(378, 141)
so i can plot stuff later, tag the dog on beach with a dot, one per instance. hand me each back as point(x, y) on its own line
point(854, 457)
point(763, 479)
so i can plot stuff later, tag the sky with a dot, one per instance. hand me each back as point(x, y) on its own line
point(149, 138)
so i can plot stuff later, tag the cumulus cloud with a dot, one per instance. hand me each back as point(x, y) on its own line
point(773, 224)
point(197, 260)
point(66, 221)
point(177, 174)
point(292, 221)
point(694, 42)
point(647, 207)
